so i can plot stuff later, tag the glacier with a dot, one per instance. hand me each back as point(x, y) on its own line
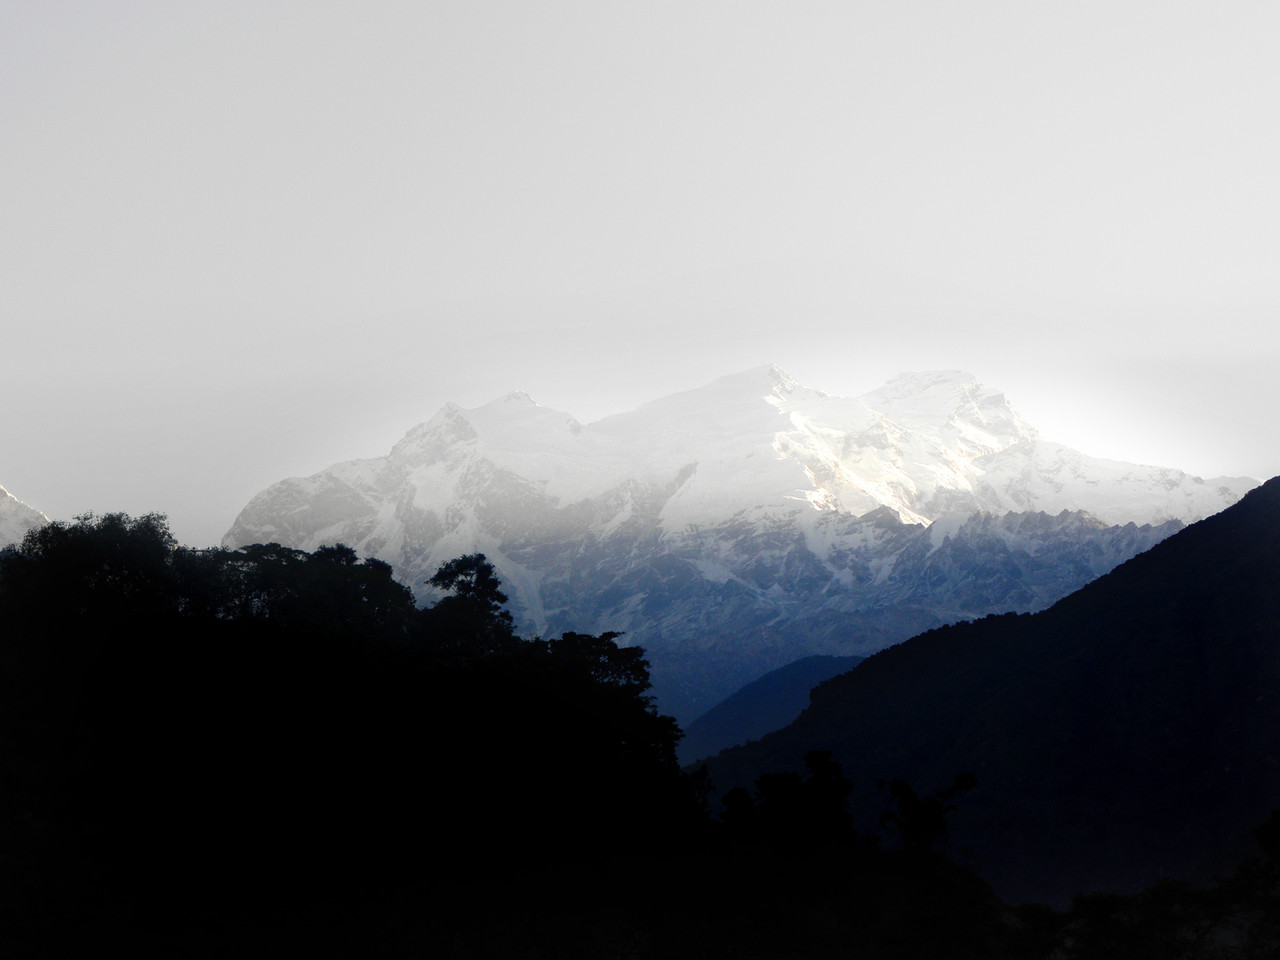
point(739, 526)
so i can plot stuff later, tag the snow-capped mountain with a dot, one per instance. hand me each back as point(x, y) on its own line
point(736, 527)
point(16, 518)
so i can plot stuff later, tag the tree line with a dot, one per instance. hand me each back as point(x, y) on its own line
point(225, 732)
point(212, 752)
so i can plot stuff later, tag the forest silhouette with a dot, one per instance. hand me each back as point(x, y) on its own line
point(265, 751)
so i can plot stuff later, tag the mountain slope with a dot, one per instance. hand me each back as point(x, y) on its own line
point(1129, 732)
point(760, 707)
point(739, 526)
point(16, 518)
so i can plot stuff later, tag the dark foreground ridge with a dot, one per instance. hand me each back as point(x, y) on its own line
point(1129, 733)
point(264, 752)
point(762, 706)
point(201, 742)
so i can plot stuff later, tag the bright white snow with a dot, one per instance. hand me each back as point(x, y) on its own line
point(754, 447)
point(16, 518)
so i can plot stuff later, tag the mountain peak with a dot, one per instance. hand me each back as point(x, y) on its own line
point(920, 382)
point(769, 379)
point(924, 445)
point(691, 489)
point(513, 397)
point(933, 400)
point(777, 374)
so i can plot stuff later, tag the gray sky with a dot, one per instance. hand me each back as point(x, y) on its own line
point(242, 241)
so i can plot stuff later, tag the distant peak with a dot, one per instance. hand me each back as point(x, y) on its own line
point(13, 510)
point(5, 495)
point(918, 382)
point(512, 402)
point(518, 407)
point(931, 399)
point(769, 375)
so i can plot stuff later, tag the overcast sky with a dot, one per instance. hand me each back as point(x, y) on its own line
point(242, 241)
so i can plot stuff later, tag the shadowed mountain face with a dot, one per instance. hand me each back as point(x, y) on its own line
point(1131, 731)
point(735, 528)
point(760, 707)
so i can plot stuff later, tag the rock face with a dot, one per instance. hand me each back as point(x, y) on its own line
point(16, 518)
point(734, 528)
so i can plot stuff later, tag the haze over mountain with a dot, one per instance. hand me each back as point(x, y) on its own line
point(16, 518)
point(739, 526)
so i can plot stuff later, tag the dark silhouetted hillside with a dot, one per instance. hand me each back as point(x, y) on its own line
point(194, 743)
point(761, 706)
point(267, 752)
point(1130, 732)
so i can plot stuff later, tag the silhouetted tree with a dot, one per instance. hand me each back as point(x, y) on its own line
point(470, 621)
point(793, 813)
point(922, 823)
point(827, 795)
point(601, 660)
point(104, 566)
point(739, 813)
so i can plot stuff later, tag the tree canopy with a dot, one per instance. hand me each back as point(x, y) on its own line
point(173, 716)
point(204, 746)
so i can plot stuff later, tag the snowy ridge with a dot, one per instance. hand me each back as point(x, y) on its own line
point(721, 518)
point(924, 445)
point(16, 518)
